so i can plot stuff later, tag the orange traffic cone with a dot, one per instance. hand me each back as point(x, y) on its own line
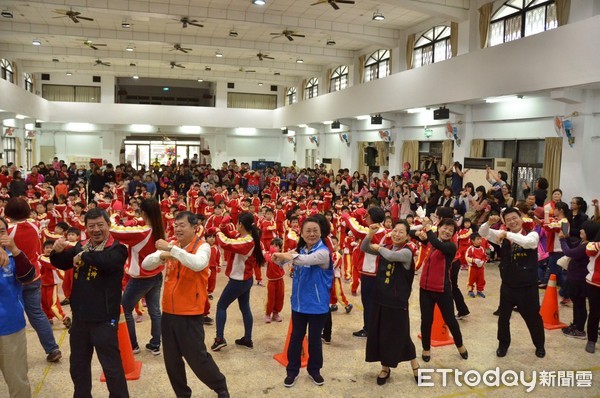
point(549, 310)
point(132, 368)
point(440, 335)
point(282, 356)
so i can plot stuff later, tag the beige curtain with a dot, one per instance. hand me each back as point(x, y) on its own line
point(447, 149)
point(362, 166)
point(18, 152)
point(410, 48)
point(302, 90)
point(563, 7)
point(361, 68)
point(410, 154)
point(87, 94)
point(485, 17)
point(454, 38)
point(251, 101)
point(552, 159)
point(383, 153)
point(327, 82)
point(477, 148)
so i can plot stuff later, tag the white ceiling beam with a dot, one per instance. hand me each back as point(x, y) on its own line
point(434, 8)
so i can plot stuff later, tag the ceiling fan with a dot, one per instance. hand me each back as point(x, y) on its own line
point(176, 65)
point(100, 62)
point(75, 16)
point(178, 47)
point(185, 21)
point(92, 45)
point(333, 3)
point(290, 34)
point(262, 56)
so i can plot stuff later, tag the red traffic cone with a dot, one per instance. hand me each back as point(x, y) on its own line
point(440, 335)
point(132, 368)
point(282, 356)
point(549, 310)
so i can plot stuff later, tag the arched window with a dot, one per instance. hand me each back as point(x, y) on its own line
point(312, 88)
point(520, 18)
point(6, 70)
point(433, 46)
point(377, 65)
point(291, 96)
point(28, 82)
point(339, 79)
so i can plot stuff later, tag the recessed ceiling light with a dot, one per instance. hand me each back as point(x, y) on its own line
point(277, 73)
point(129, 48)
point(218, 54)
point(331, 42)
point(36, 42)
point(125, 25)
point(299, 61)
point(200, 80)
point(136, 77)
point(233, 33)
point(378, 16)
point(55, 60)
point(207, 68)
point(69, 73)
point(260, 84)
point(7, 14)
point(258, 2)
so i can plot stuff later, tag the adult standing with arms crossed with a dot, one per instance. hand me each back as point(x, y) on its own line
point(15, 269)
point(184, 298)
point(95, 303)
point(518, 271)
point(311, 286)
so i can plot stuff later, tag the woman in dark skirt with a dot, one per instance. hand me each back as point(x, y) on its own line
point(389, 339)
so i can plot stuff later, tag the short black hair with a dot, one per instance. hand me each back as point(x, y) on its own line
point(96, 213)
point(49, 243)
point(377, 214)
point(475, 235)
point(447, 222)
point(62, 225)
point(189, 216)
point(73, 230)
point(509, 210)
point(277, 242)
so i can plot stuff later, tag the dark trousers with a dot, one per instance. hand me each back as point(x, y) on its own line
point(183, 338)
point(459, 300)
point(578, 294)
point(367, 290)
point(315, 323)
point(327, 329)
point(527, 301)
point(240, 291)
point(101, 336)
point(594, 318)
point(428, 300)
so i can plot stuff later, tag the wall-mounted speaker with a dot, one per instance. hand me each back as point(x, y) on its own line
point(96, 79)
point(45, 76)
point(441, 114)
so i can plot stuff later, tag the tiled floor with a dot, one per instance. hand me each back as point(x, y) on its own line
point(254, 373)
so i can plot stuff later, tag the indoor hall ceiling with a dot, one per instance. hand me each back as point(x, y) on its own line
point(155, 29)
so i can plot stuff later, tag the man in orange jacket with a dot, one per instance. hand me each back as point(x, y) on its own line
point(184, 297)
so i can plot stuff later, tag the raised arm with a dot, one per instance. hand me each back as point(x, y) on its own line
point(194, 261)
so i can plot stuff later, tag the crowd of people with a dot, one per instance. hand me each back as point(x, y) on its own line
point(117, 236)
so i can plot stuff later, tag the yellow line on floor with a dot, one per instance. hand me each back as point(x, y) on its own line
point(48, 367)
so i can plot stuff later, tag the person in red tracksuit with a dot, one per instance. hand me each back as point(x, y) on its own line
point(337, 292)
point(215, 261)
point(275, 286)
point(476, 258)
point(50, 279)
point(464, 242)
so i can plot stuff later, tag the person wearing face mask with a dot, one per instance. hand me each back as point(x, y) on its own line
point(436, 286)
point(518, 272)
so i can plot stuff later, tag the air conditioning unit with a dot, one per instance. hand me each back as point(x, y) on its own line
point(477, 167)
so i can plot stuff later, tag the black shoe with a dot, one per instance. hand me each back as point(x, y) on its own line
point(223, 394)
point(333, 307)
point(290, 381)
point(360, 333)
point(218, 344)
point(516, 309)
point(416, 376)
point(245, 342)
point(460, 316)
point(65, 302)
point(208, 320)
point(210, 297)
point(501, 352)
point(464, 354)
point(317, 378)
point(54, 356)
point(497, 312)
point(326, 339)
point(540, 352)
point(382, 380)
point(155, 350)
point(426, 358)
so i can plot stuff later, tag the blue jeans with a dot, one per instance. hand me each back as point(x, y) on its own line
point(134, 291)
point(239, 290)
point(32, 298)
point(561, 274)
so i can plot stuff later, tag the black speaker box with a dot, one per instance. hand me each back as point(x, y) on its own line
point(442, 113)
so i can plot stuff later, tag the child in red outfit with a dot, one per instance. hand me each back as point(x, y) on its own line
point(215, 261)
point(337, 293)
point(50, 278)
point(276, 286)
point(464, 242)
point(476, 258)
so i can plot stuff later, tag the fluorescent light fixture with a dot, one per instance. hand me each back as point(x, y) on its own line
point(125, 25)
point(416, 110)
point(218, 54)
point(299, 61)
point(245, 130)
point(291, 133)
point(69, 73)
point(166, 88)
point(190, 129)
point(20, 117)
point(378, 16)
point(259, 2)
point(505, 98)
point(36, 42)
point(136, 77)
point(303, 126)
point(9, 123)
point(129, 48)
point(142, 128)
point(233, 33)
point(331, 42)
point(200, 80)
point(260, 84)
point(81, 127)
point(363, 117)
point(29, 126)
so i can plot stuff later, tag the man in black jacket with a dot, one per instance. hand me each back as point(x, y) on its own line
point(95, 302)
